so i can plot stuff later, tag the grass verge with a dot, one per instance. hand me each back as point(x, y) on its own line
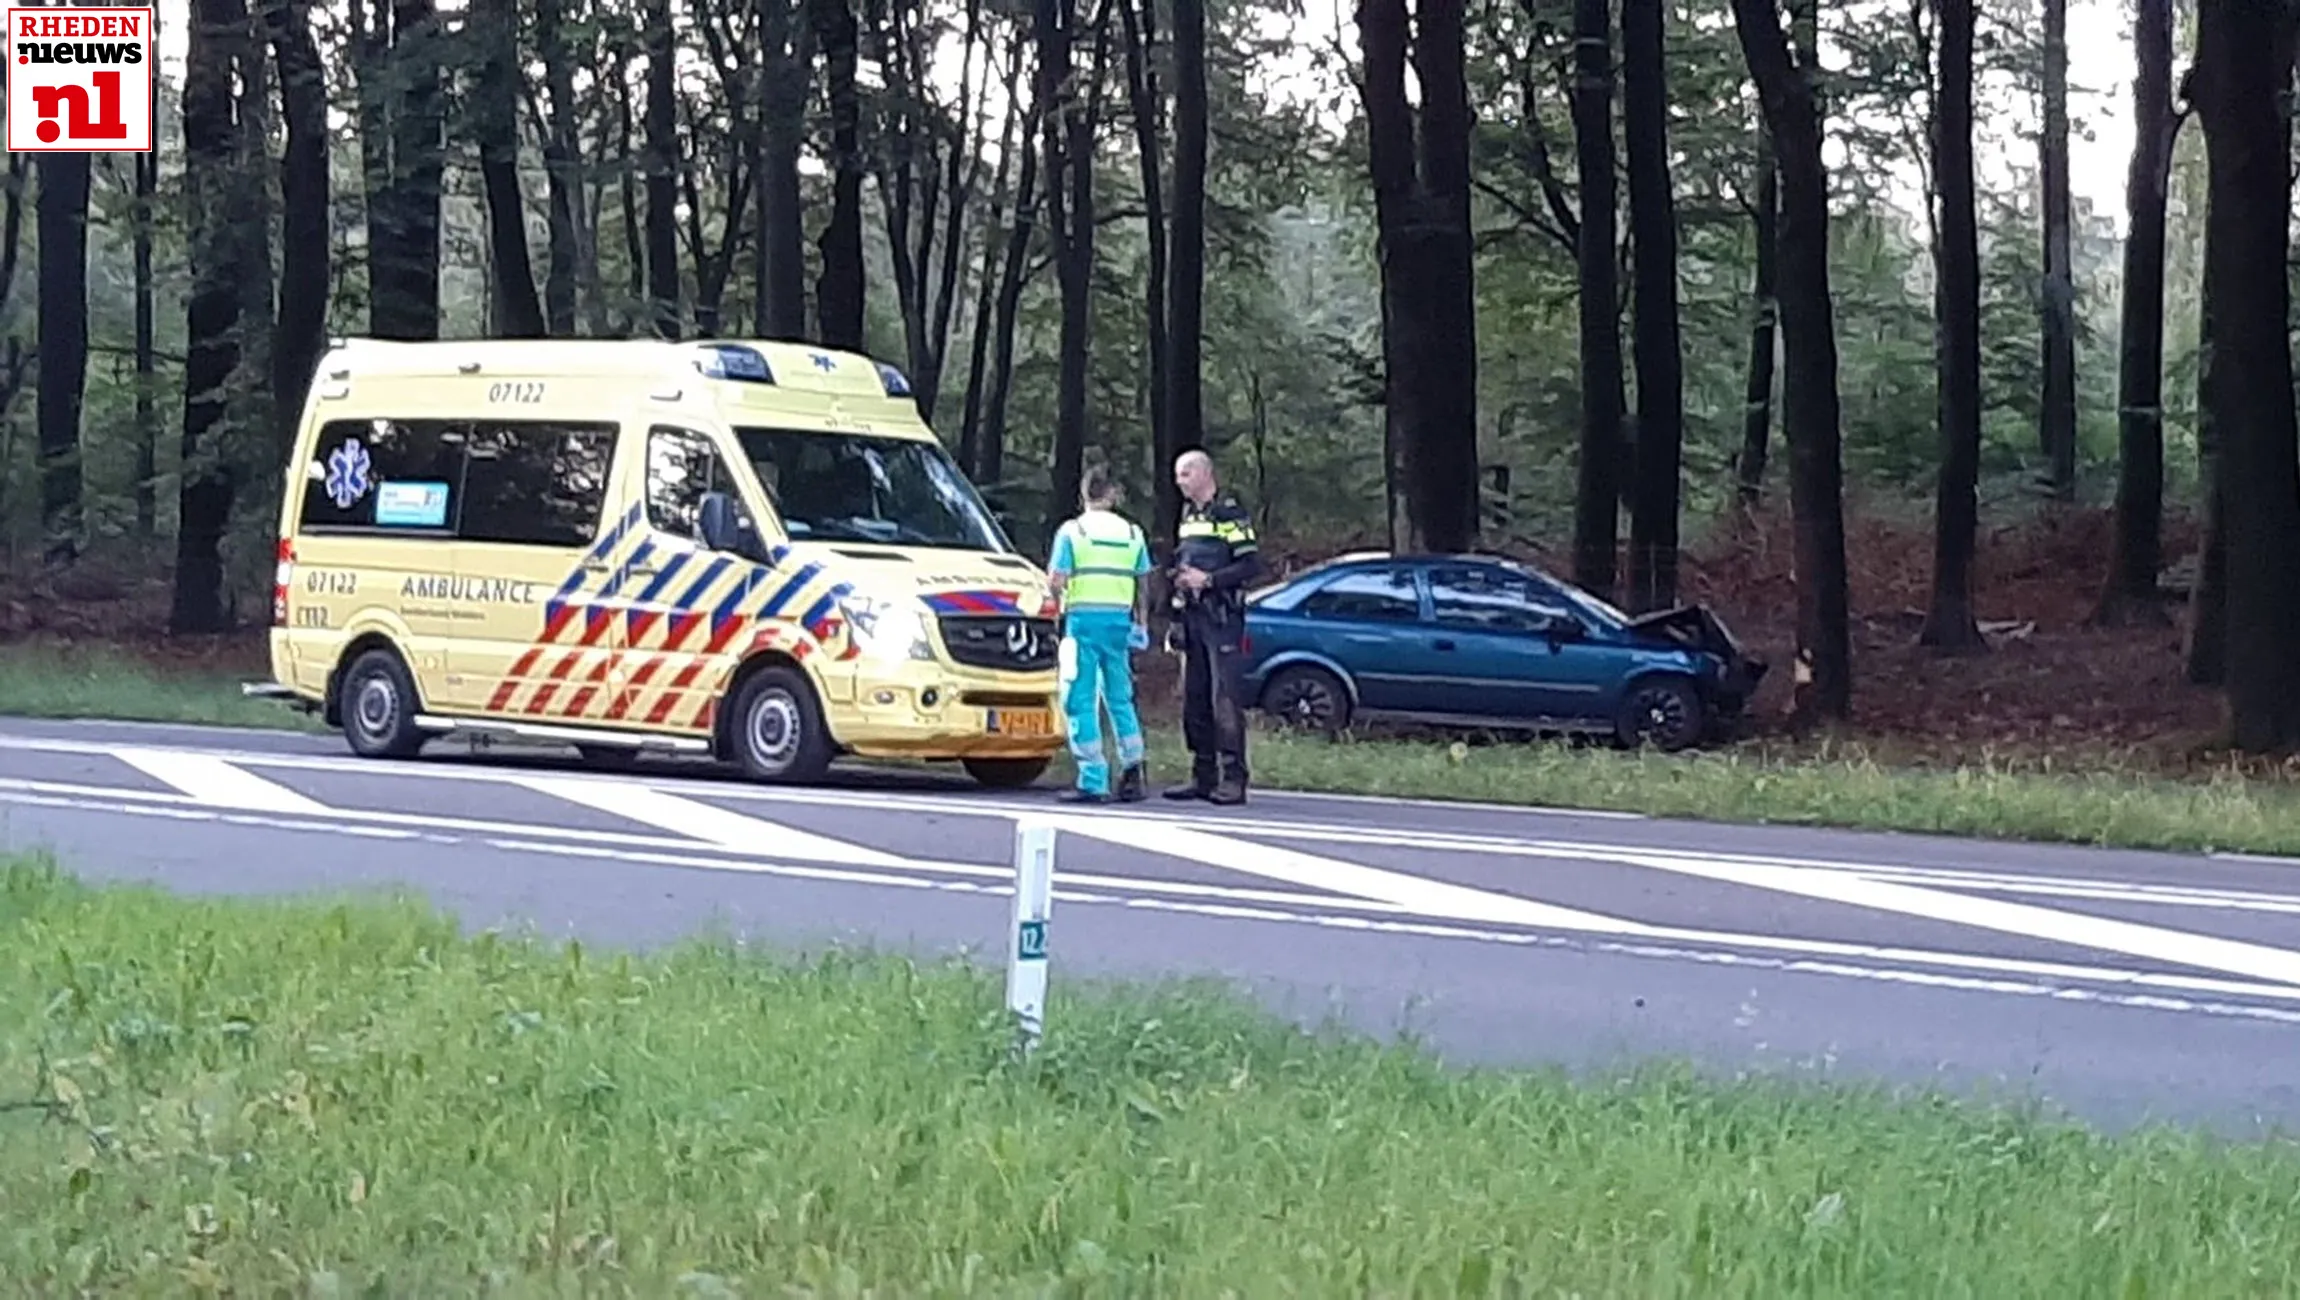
point(298, 1097)
point(2110, 801)
point(93, 681)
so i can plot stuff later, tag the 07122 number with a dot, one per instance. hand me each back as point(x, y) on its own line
point(525, 393)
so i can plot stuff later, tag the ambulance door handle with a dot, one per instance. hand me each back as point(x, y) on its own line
point(642, 571)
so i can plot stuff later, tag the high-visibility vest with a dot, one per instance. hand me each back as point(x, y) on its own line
point(1103, 570)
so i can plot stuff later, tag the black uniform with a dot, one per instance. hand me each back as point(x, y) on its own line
point(1218, 538)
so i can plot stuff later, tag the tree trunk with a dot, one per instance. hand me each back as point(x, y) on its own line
point(1070, 194)
point(1821, 679)
point(2131, 596)
point(1950, 626)
point(404, 265)
point(2204, 638)
point(1442, 488)
point(1140, 18)
point(209, 477)
point(2057, 425)
point(305, 234)
point(495, 114)
point(782, 255)
point(839, 292)
point(63, 364)
point(147, 361)
point(2244, 68)
point(1185, 423)
point(562, 170)
point(1003, 193)
point(992, 465)
point(1757, 401)
point(1660, 363)
point(662, 169)
point(1597, 490)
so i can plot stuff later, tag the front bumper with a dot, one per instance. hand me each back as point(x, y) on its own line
point(939, 711)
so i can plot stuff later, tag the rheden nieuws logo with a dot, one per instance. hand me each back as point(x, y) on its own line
point(80, 78)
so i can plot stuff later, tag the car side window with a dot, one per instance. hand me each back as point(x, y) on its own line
point(1475, 597)
point(536, 483)
point(682, 465)
point(1369, 595)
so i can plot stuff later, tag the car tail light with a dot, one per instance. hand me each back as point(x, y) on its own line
point(283, 574)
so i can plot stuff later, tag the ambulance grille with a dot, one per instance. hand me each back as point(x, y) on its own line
point(1000, 642)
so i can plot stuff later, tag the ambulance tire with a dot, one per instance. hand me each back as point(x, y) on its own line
point(1006, 773)
point(379, 705)
point(775, 733)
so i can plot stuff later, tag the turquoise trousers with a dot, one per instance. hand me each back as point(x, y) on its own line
point(1097, 672)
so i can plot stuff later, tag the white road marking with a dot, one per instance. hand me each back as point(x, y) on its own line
point(2204, 952)
point(214, 782)
point(707, 822)
point(1521, 939)
point(1815, 955)
point(1416, 893)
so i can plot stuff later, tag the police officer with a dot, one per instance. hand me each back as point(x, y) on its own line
point(1216, 555)
point(1097, 567)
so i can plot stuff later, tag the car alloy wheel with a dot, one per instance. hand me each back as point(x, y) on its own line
point(1308, 698)
point(1665, 713)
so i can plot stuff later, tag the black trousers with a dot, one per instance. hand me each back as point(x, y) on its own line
point(1214, 695)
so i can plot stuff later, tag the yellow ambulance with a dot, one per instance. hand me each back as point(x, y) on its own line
point(755, 551)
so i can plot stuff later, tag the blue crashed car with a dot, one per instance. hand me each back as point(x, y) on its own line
point(1483, 641)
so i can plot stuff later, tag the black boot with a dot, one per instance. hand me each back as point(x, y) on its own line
point(1201, 785)
point(1133, 785)
point(1231, 790)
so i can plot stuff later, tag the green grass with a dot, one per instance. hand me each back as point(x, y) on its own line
point(2104, 799)
point(313, 1098)
point(90, 681)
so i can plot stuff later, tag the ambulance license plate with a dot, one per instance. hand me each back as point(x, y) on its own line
point(1021, 723)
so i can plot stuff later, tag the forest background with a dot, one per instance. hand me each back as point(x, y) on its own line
point(1886, 335)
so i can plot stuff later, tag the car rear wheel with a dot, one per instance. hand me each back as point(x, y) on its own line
point(1308, 698)
point(776, 733)
point(1006, 773)
point(378, 705)
point(1664, 712)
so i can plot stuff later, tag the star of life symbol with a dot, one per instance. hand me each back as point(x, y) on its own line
point(80, 78)
point(822, 362)
point(347, 470)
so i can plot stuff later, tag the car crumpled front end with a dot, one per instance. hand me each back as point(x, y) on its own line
point(1735, 670)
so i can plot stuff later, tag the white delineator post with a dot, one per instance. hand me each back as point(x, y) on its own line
point(1026, 953)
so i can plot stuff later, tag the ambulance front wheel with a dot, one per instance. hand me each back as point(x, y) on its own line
point(378, 704)
point(777, 733)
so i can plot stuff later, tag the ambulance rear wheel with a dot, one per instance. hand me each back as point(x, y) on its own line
point(776, 733)
point(1006, 773)
point(379, 705)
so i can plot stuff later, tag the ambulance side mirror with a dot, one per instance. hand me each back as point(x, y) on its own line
point(718, 523)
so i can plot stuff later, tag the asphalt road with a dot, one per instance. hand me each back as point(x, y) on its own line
point(2121, 986)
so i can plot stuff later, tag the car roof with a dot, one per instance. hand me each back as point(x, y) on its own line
point(1362, 559)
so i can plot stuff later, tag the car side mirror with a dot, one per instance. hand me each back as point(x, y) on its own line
point(1558, 631)
point(721, 530)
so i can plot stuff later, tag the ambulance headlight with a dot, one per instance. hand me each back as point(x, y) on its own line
point(891, 630)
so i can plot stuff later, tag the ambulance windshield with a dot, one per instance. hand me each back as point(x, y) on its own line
point(850, 487)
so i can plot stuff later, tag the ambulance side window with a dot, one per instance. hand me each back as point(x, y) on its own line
point(403, 477)
point(681, 466)
point(536, 482)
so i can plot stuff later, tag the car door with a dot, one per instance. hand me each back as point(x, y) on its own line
point(534, 591)
point(1369, 621)
point(1493, 645)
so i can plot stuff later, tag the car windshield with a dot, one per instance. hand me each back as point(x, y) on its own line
point(851, 487)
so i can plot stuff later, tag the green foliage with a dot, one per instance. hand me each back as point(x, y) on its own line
point(350, 1097)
